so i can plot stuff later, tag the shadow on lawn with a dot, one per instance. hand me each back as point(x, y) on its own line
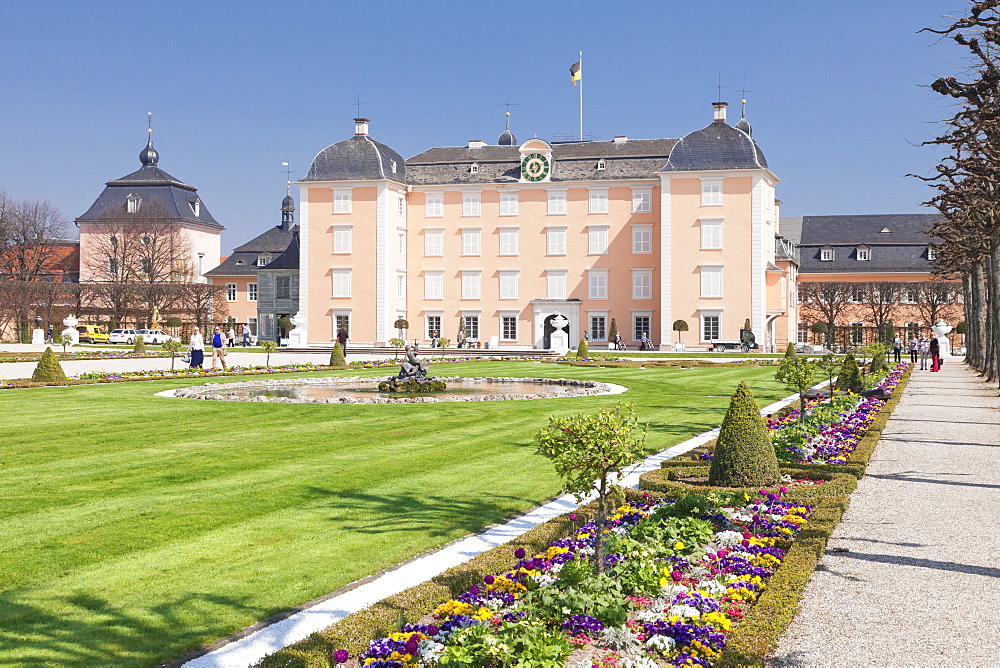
point(81, 629)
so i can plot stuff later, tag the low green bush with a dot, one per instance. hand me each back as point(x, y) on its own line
point(744, 455)
point(337, 355)
point(583, 350)
point(140, 346)
point(48, 370)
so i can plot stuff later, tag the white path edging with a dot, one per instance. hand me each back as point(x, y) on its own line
point(252, 648)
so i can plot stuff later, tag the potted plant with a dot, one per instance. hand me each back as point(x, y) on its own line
point(680, 326)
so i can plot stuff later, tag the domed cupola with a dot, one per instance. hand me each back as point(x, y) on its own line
point(743, 125)
point(359, 158)
point(507, 139)
point(716, 146)
point(148, 155)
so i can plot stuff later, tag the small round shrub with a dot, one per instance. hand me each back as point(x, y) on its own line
point(48, 369)
point(583, 351)
point(744, 454)
point(337, 355)
point(790, 350)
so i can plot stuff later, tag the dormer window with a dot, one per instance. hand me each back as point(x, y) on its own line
point(262, 260)
point(864, 254)
point(931, 254)
point(474, 169)
point(602, 164)
point(392, 164)
point(826, 254)
point(195, 207)
point(132, 203)
point(239, 263)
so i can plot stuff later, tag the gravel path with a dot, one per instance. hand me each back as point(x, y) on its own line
point(910, 576)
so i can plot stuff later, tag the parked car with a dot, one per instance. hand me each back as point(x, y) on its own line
point(122, 336)
point(92, 334)
point(155, 336)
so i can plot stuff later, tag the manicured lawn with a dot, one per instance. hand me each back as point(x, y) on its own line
point(135, 528)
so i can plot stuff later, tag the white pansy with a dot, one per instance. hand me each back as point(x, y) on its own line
point(543, 580)
point(639, 662)
point(728, 538)
point(430, 652)
point(684, 611)
point(713, 587)
point(661, 643)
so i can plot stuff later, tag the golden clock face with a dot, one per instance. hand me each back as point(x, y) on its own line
point(534, 167)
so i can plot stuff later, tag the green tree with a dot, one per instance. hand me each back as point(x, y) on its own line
point(397, 344)
point(172, 347)
point(849, 379)
point(443, 343)
point(829, 363)
point(797, 373)
point(65, 340)
point(583, 350)
point(589, 453)
point(48, 369)
point(790, 350)
point(744, 455)
point(269, 347)
point(140, 346)
point(613, 330)
point(337, 355)
point(401, 324)
point(680, 326)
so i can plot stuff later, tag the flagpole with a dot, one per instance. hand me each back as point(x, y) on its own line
point(581, 96)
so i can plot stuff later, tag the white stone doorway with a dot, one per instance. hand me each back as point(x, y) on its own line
point(544, 310)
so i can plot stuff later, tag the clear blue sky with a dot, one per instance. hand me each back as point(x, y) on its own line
point(835, 95)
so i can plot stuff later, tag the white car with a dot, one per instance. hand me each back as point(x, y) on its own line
point(155, 336)
point(122, 336)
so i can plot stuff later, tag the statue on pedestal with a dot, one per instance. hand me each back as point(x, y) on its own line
point(941, 331)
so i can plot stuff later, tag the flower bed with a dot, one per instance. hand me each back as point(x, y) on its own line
point(679, 576)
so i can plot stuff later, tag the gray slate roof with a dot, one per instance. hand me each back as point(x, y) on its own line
point(902, 249)
point(359, 158)
point(288, 259)
point(715, 146)
point(243, 261)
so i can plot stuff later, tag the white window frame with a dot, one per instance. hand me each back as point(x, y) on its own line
point(471, 323)
point(509, 283)
point(931, 253)
point(400, 285)
point(711, 281)
point(509, 238)
point(263, 260)
point(648, 315)
point(556, 284)
point(597, 239)
point(472, 205)
point(703, 317)
point(803, 332)
point(341, 283)
point(433, 242)
point(472, 241)
point(433, 285)
point(508, 203)
point(642, 239)
point(557, 203)
point(428, 328)
point(231, 292)
point(512, 315)
point(604, 325)
point(602, 165)
point(826, 255)
point(856, 333)
point(400, 206)
point(342, 201)
point(133, 203)
point(342, 239)
point(597, 284)
point(555, 240)
point(472, 285)
point(252, 292)
point(712, 230)
point(433, 205)
point(597, 201)
point(856, 294)
point(642, 284)
point(864, 254)
point(337, 315)
point(711, 192)
point(642, 200)
point(400, 243)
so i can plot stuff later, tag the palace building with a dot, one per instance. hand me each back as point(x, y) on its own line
point(500, 239)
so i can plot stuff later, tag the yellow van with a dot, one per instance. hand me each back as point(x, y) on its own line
point(92, 334)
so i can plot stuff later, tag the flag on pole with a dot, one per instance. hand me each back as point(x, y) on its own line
point(574, 72)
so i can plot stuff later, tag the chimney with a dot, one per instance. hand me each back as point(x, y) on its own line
point(361, 127)
point(476, 143)
point(720, 111)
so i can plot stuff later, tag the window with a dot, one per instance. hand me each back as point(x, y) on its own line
point(711, 324)
point(113, 266)
point(557, 203)
point(711, 193)
point(711, 282)
point(401, 243)
point(508, 285)
point(642, 240)
point(711, 234)
point(803, 332)
point(642, 284)
point(251, 292)
point(598, 201)
point(230, 291)
point(400, 207)
point(597, 284)
point(262, 260)
point(597, 240)
point(201, 263)
point(195, 207)
point(856, 294)
point(864, 254)
point(911, 295)
point(508, 204)
point(642, 201)
point(433, 285)
point(930, 253)
point(508, 327)
point(826, 255)
point(470, 242)
point(252, 323)
point(598, 329)
point(433, 243)
point(474, 168)
point(401, 286)
point(432, 326)
point(132, 203)
point(471, 204)
point(341, 201)
point(471, 325)
point(434, 206)
point(555, 241)
point(342, 321)
point(857, 333)
point(341, 240)
point(341, 282)
point(283, 286)
point(602, 164)
point(470, 285)
point(555, 282)
point(146, 267)
point(640, 326)
point(913, 330)
point(508, 240)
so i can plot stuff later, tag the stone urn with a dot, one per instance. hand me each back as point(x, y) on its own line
point(70, 322)
point(941, 331)
point(559, 339)
point(297, 337)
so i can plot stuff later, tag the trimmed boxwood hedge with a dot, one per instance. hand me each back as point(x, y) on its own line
point(666, 480)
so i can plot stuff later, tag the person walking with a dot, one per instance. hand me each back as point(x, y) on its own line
point(342, 340)
point(897, 348)
point(924, 346)
point(196, 348)
point(914, 348)
point(231, 335)
point(246, 335)
point(218, 347)
point(935, 349)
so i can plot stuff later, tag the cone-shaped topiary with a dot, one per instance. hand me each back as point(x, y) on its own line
point(48, 369)
point(790, 350)
point(583, 350)
point(849, 378)
point(337, 355)
point(744, 455)
point(140, 345)
point(878, 363)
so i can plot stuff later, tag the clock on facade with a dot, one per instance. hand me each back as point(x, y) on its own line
point(534, 167)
